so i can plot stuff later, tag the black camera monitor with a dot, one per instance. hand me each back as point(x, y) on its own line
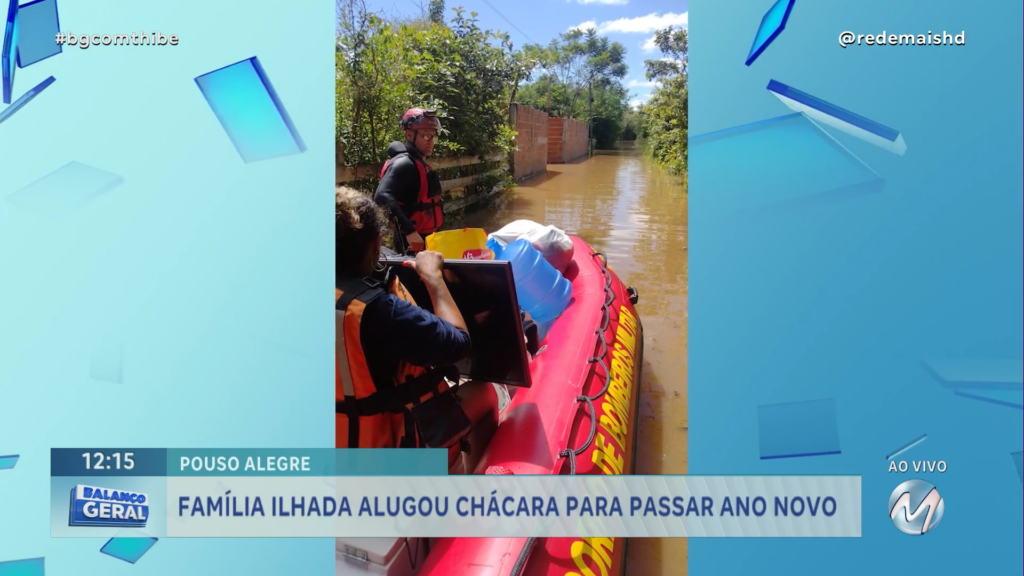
point(485, 293)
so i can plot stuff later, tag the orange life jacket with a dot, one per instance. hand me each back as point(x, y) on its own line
point(366, 417)
point(426, 214)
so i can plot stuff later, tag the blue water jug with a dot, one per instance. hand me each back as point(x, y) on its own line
point(542, 291)
point(496, 247)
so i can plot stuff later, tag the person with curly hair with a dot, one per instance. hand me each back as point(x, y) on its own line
point(392, 355)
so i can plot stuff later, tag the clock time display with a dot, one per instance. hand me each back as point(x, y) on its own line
point(111, 461)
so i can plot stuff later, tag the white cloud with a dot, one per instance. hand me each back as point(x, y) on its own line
point(585, 26)
point(645, 24)
point(649, 45)
point(611, 2)
point(643, 84)
point(634, 104)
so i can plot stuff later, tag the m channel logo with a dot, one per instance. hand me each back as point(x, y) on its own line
point(916, 507)
point(107, 507)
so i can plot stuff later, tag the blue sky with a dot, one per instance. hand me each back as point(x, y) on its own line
point(631, 22)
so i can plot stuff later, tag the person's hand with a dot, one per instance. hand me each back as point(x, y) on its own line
point(415, 241)
point(428, 266)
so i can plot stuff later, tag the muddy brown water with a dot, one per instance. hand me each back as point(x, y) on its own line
point(634, 213)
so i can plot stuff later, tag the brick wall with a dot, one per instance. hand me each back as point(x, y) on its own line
point(567, 140)
point(531, 157)
point(555, 140)
point(543, 140)
point(575, 140)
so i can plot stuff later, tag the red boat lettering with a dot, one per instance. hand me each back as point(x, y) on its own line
point(594, 556)
point(476, 254)
point(615, 416)
point(598, 550)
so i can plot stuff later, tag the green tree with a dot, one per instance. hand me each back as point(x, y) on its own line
point(542, 93)
point(436, 11)
point(611, 102)
point(673, 44)
point(573, 63)
point(632, 122)
point(664, 119)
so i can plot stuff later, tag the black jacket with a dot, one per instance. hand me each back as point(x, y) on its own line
point(401, 183)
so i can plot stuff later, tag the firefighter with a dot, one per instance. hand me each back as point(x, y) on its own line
point(409, 188)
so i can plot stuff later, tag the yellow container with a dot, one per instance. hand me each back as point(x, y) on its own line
point(464, 244)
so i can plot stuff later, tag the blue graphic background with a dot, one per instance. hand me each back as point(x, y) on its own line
point(128, 549)
point(38, 24)
point(844, 300)
point(259, 127)
point(198, 270)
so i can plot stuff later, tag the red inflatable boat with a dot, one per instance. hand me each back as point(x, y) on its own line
point(579, 417)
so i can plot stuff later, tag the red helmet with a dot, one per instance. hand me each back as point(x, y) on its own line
point(418, 119)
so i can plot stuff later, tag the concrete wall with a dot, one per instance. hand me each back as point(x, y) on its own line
point(531, 155)
point(567, 140)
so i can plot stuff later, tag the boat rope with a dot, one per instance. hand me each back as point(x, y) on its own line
point(606, 318)
point(571, 454)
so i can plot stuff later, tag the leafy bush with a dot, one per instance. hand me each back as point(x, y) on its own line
point(664, 118)
point(385, 67)
point(370, 90)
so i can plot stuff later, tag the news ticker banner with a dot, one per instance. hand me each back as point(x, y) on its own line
point(324, 493)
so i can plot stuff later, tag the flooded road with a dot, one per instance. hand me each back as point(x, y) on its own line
point(634, 213)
